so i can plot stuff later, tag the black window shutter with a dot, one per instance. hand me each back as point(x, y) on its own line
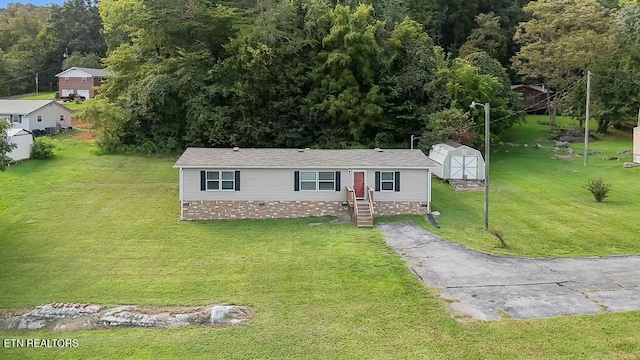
point(337, 180)
point(203, 180)
point(296, 181)
point(237, 180)
point(377, 181)
point(397, 187)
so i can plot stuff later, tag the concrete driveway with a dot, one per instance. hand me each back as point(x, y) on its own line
point(485, 285)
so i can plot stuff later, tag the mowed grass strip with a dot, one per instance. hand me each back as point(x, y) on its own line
point(104, 229)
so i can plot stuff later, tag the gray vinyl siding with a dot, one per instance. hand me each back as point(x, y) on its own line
point(413, 186)
point(50, 116)
point(278, 185)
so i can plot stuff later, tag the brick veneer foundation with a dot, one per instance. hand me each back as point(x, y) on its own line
point(227, 209)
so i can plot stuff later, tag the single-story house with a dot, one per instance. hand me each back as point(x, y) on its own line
point(23, 140)
point(457, 161)
point(35, 114)
point(224, 183)
point(81, 81)
point(636, 144)
point(535, 97)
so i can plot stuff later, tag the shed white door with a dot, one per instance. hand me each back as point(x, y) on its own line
point(84, 93)
point(464, 167)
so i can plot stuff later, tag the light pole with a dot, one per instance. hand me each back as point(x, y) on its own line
point(487, 119)
point(413, 137)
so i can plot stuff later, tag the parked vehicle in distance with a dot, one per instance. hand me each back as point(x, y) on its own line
point(72, 97)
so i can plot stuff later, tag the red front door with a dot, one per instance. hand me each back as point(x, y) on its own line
point(358, 184)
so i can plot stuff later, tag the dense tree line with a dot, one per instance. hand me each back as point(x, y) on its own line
point(329, 73)
point(286, 73)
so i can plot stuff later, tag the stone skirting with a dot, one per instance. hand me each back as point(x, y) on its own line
point(386, 208)
point(229, 209)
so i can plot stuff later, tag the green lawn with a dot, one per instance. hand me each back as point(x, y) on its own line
point(51, 96)
point(48, 95)
point(542, 204)
point(85, 227)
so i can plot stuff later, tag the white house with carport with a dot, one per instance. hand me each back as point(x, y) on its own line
point(35, 114)
point(457, 162)
point(23, 140)
point(238, 183)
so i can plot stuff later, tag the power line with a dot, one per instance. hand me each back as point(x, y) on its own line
point(24, 77)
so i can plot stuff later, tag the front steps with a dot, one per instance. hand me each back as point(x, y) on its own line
point(364, 216)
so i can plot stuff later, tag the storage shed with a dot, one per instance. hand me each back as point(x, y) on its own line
point(24, 142)
point(457, 161)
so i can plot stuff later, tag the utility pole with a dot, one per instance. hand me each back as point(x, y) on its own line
point(36, 83)
point(586, 121)
point(487, 137)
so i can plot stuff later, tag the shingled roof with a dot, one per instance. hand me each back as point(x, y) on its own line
point(239, 158)
point(24, 107)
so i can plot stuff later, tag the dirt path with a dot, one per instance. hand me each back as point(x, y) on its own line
point(484, 285)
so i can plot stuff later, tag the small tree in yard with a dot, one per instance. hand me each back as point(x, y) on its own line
point(5, 145)
point(598, 188)
point(43, 147)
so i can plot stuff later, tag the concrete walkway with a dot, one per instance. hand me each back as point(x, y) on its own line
point(486, 285)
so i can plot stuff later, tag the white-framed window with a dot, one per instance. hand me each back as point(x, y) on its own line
point(84, 79)
point(39, 118)
point(387, 181)
point(62, 117)
point(66, 79)
point(317, 180)
point(220, 180)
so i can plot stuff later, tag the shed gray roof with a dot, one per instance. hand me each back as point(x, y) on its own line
point(90, 71)
point(22, 107)
point(307, 158)
point(17, 132)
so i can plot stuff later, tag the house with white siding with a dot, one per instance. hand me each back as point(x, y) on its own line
point(35, 114)
point(240, 183)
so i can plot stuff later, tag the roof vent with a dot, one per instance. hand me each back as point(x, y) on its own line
point(236, 149)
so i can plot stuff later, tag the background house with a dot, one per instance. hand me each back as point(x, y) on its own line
point(457, 161)
point(81, 81)
point(219, 183)
point(35, 114)
point(23, 140)
point(535, 97)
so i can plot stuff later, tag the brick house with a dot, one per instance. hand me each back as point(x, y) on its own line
point(223, 183)
point(81, 81)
